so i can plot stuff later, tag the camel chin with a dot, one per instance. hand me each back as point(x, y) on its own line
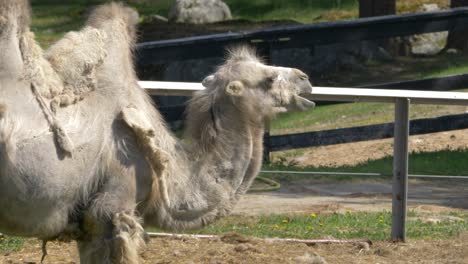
point(300, 103)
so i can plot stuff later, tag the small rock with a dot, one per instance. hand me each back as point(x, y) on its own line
point(177, 253)
point(436, 219)
point(235, 238)
point(245, 247)
point(199, 11)
point(158, 18)
point(363, 246)
point(241, 248)
point(452, 51)
point(212, 252)
point(382, 252)
point(310, 259)
point(430, 7)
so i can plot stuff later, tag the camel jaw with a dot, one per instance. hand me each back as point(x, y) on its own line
point(300, 103)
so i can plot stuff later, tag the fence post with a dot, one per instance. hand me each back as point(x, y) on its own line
point(400, 169)
point(266, 52)
point(266, 143)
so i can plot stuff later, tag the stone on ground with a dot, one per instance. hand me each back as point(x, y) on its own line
point(199, 11)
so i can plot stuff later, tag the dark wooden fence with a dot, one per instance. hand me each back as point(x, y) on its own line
point(299, 36)
point(365, 133)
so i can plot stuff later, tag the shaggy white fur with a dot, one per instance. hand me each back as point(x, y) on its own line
point(75, 59)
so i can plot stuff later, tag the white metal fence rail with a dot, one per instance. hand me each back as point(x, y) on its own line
point(402, 100)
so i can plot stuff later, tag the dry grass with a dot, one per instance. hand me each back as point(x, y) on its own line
point(198, 251)
point(411, 6)
point(335, 14)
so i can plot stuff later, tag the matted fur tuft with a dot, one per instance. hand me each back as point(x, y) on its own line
point(128, 239)
point(201, 118)
point(15, 9)
point(208, 113)
point(76, 58)
point(242, 53)
point(104, 13)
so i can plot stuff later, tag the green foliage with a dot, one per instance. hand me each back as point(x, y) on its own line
point(430, 163)
point(350, 115)
point(8, 244)
point(453, 66)
point(348, 225)
point(306, 11)
point(53, 18)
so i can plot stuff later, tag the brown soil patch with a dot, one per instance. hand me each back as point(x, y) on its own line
point(258, 251)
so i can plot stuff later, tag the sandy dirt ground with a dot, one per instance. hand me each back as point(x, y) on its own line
point(318, 196)
point(189, 251)
point(359, 152)
point(438, 198)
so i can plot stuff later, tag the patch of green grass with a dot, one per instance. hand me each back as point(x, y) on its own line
point(9, 244)
point(451, 68)
point(352, 114)
point(306, 11)
point(331, 117)
point(349, 225)
point(427, 163)
point(52, 18)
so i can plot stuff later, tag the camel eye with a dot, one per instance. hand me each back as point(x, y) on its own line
point(304, 77)
point(268, 82)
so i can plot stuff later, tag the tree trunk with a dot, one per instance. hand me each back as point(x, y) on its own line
point(370, 8)
point(458, 39)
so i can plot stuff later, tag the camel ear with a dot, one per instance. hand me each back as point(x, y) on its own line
point(209, 81)
point(235, 88)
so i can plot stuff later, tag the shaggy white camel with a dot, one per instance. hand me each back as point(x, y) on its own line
point(85, 156)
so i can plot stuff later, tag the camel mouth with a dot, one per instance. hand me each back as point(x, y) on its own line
point(299, 104)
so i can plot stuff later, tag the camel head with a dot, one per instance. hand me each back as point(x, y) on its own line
point(273, 89)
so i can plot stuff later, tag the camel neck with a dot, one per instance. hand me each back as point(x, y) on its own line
point(204, 184)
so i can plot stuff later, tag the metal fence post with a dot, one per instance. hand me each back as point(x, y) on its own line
point(266, 144)
point(400, 169)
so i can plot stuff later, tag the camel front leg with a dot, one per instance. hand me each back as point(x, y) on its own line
point(119, 241)
point(128, 239)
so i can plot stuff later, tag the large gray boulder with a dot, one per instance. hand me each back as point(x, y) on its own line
point(199, 11)
point(430, 43)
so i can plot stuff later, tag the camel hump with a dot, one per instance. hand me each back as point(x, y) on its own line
point(15, 13)
point(76, 58)
point(103, 13)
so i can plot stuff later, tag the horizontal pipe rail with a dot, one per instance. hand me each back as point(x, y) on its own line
point(328, 93)
point(370, 174)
